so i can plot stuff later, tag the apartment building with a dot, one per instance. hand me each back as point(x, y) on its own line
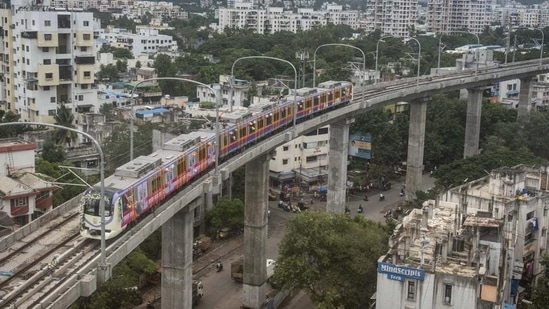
point(48, 58)
point(453, 15)
point(275, 19)
point(393, 17)
point(439, 258)
point(146, 41)
point(473, 247)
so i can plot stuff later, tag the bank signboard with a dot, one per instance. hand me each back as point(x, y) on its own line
point(400, 273)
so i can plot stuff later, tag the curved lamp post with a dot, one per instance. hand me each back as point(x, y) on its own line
point(542, 42)
point(103, 258)
point(215, 89)
point(377, 54)
point(336, 44)
point(278, 59)
point(457, 31)
point(418, 59)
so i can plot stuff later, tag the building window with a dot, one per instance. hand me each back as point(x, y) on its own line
point(411, 290)
point(45, 49)
point(46, 88)
point(87, 74)
point(47, 61)
point(49, 76)
point(80, 97)
point(285, 148)
point(284, 161)
point(83, 49)
point(27, 48)
point(86, 36)
point(86, 23)
point(84, 86)
point(20, 202)
point(448, 294)
point(47, 37)
point(52, 112)
point(47, 23)
point(52, 99)
point(530, 215)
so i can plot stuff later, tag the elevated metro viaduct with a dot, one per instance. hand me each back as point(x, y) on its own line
point(175, 216)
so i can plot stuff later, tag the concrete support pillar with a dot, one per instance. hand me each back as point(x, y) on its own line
point(177, 258)
point(255, 232)
point(472, 125)
point(207, 205)
point(416, 142)
point(337, 166)
point(524, 105)
point(227, 191)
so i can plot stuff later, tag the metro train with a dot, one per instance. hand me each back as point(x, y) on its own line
point(143, 183)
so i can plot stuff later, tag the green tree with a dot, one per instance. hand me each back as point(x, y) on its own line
point(226, 213)
point(64, 117)
point(332, 258)
point(11, 131)
point(122, 66)
point(138, 64)
point(108, 72)
point(52, 152)
point(108, 110)
point(67, 191)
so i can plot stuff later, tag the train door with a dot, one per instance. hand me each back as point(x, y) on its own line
point(169, 178)
point(202, 157)
point(192, 163)
point(141, 204)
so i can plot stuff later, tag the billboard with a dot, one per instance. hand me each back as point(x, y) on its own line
point(360, 145)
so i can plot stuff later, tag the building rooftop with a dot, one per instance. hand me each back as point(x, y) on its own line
point(430, 239)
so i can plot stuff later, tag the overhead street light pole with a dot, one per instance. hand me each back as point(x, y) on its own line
point(217, 100)
point(457, 31)
point(418, 59)
point(103, 258)
point(336, 44)
point(377, 57)
point(278, 59)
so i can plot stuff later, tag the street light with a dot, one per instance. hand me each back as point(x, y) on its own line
point(542, 42)
point(103, 258)
point(336, 44)
point(278, 59)
point(377, 57)
point(457, 31)
point(418, 59)
point(215, 90)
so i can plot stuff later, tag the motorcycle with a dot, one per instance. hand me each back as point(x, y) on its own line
point(381, 197)
point(219, 266)
point(360, 209)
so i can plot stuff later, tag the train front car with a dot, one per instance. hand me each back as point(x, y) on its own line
point(90, 220)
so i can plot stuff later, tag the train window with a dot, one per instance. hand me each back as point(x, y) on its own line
point(260, 124)
point(202, 153)
point(243, 132)
point(300, 106)
point(225, 140)
point(269, 119)
point(316, 101)
point(283, 113)
point(308, 103)
point(181, 166)
point(330, 96)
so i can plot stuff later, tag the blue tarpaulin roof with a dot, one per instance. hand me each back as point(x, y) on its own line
point(509, 306)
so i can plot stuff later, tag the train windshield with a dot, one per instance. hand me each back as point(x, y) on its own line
point(90, 202)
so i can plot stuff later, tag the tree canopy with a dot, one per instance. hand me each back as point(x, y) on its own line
point(331, 257)
point(226, 213)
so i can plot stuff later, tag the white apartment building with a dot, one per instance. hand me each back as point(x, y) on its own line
point(438, 258)
point(304, 158)
point(393, 17)
point(147, 41)
point(275, 19)
point(233, 94)
point(519, 15)
point(48, 59)
point(454, 15)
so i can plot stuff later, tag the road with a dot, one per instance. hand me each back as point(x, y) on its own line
point(222, 292)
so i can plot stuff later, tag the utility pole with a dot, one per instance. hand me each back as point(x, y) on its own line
point(302, 56)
